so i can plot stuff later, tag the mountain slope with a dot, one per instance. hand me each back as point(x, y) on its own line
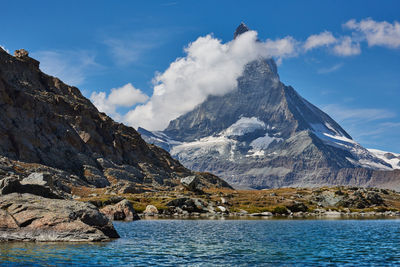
point(264, 134)
point(43, 120)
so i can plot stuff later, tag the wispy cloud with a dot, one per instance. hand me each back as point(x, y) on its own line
point(71, 66)
point(369, 126)
point(129, 51)
point(170, 3)
point(330, 69)
point(317, 40)
point(125, 96)
point(391, 124)
point(377, 33)
point(131, 47)
point(347, 47)
point(343, 113)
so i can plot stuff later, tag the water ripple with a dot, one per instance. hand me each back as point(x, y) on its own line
point(224, 243)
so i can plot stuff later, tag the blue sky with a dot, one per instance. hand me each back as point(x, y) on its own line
point(101, 45)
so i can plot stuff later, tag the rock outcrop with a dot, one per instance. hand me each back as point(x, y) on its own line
point(12, 184)
point(150, 210)
point(27, 217)
point(44, 121)
point(122, 211)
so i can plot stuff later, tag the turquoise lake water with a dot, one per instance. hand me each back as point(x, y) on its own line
point(224, 243)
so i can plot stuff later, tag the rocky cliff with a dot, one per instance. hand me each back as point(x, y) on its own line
point(47, 124)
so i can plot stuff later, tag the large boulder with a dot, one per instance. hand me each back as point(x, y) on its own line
point(12, 184)
point(48, 180)
point(191, 182)
point(150, 210)
point(27, 217)
point(122, 211)
point(297, 207)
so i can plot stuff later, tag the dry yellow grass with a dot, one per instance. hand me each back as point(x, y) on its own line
point(252, 201)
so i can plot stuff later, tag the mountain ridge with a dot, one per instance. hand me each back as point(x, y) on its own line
point(290, 142)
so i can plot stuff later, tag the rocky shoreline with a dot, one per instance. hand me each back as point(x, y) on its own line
point(27, 217)
point(301, 203)
point(36, 209)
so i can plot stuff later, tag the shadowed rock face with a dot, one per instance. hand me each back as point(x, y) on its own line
point(43, 120)
point(263, 134)
point(26, 217)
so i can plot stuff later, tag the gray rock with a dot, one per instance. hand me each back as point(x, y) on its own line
point(39, 179)
point(27, 217)
point(21, 53)
point(189, 204)
point(262, 214)
point(150, 210)
point(49, 180)
point(224, 201)
point(122, 211)
point(297, 207)
point(190, 182)
point(95, 177)
point(12, 184)
point(222, 209)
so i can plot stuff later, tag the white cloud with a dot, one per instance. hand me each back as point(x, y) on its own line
point(391, 124)
point(281, 48)
point(343, 113)
point(322, 39)
point(126, 52)
point(347, 47)
point(210, 67)
point(125, 96)
point(330, 69)
point(380, 33)
point(129, 48)
point(72, 67)
point(366, 125)
point(100, 100)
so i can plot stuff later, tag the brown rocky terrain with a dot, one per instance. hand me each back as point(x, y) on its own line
point(340, 201)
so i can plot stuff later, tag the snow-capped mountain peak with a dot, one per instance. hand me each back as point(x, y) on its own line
point(264, 134)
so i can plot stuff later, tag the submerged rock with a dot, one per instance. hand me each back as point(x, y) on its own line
point(27, 217)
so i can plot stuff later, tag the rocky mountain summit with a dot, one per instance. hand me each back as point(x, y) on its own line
point(53, 142)
point(263, 134)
